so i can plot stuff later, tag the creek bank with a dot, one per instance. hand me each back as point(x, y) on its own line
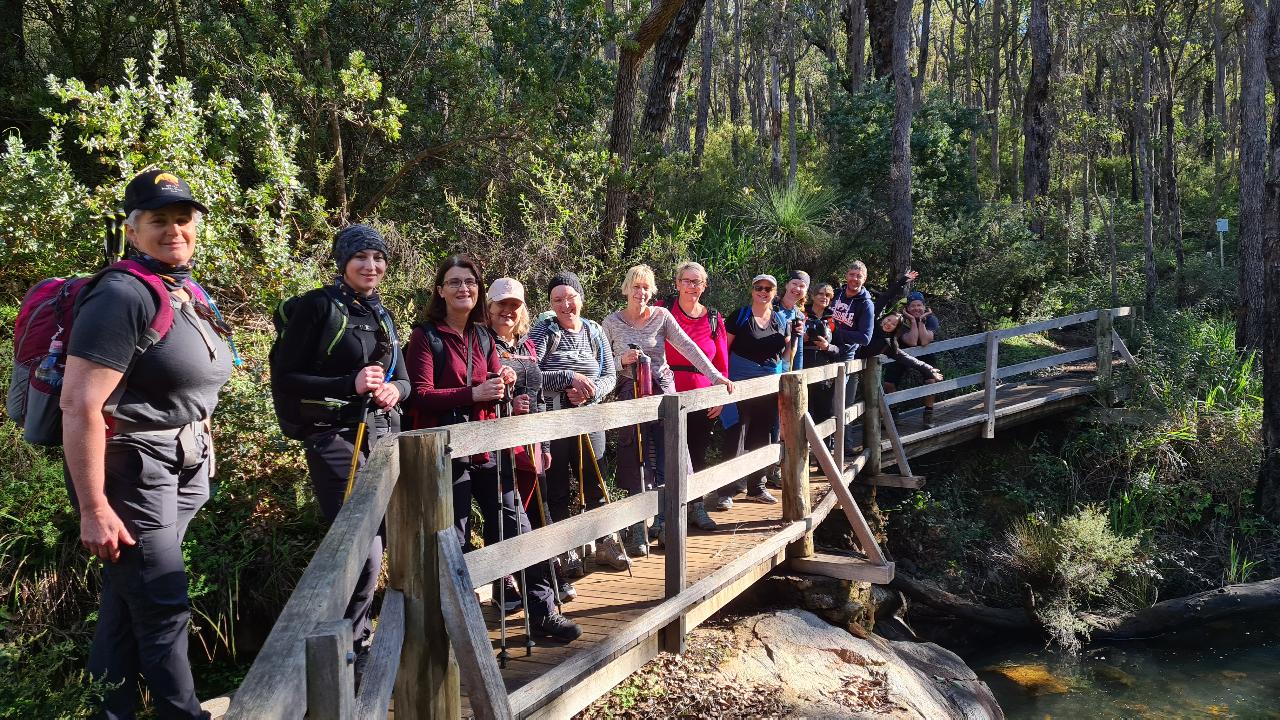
point(793, 663)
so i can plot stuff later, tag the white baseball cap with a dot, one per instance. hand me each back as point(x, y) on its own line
point(765, 276)
point(506, 289)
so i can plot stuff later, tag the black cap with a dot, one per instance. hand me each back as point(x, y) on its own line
point(155, 189)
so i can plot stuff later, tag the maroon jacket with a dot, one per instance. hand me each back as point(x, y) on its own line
point(437, 394)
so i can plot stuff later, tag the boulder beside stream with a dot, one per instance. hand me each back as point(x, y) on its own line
point(824, 671)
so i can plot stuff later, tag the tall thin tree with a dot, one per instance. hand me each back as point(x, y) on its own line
point(1253, 152)
point(1035, 117)
point(900, 210)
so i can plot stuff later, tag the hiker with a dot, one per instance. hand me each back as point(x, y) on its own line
point(820, 349)
point(854, 310)
point(759, 341)
point(338, 362)
point(790, 307)
point(457, 377)
point(509, 323)
point(705, 327)
point(918, 329)
point(577, 370)
point(638, 334)
point(138, 483)
point(885, 341)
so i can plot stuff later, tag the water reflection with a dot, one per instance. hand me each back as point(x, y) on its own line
point(1227, 669)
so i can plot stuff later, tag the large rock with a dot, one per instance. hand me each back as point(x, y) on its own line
point(825, 672)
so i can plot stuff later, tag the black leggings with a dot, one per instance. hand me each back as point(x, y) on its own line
point(756, 418)
point(565, 466)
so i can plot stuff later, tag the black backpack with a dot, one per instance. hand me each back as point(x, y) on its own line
point(300, 418)
point(438, 359)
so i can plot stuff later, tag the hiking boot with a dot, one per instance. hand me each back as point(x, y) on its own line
point(699, 518)
point(718, 503)
point(511, 599)
point(571, 566)
point(637, 540)
point(773, 477)
point(764, 497)
point(557, 627)
point(567, 592)
point(926, 418)
point(656, 529)
point(361, 662)
point(610, 552)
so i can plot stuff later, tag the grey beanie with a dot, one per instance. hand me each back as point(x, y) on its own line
point(354, 238)
point(565, 278)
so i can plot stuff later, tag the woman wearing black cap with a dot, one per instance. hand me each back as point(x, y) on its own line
point(337, 364)
point(139, 488)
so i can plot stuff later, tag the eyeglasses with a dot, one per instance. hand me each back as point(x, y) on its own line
point(763, 288)
point(692, 282)
point(458, 283)
point(220, 326)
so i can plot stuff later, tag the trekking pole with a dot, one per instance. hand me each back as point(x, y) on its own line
point(604, 490)
point(503, 655)
point(364, 415)
point(538, 479)
point(515, 489)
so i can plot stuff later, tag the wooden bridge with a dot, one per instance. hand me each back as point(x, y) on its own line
point(433, 651)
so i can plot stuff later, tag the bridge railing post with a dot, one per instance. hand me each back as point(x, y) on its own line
point(793, 403)
point(330, 672)
point(675, 518)
point(1105, 348)
point(427, 682)
point(871, 392)
point(838, 407)
point(989, 384)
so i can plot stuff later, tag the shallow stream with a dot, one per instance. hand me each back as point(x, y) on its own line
point(1227, 669)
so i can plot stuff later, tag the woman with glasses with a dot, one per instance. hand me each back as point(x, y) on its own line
point(339, 359)
point(640, 332)
point(457, 376)
point(759, 342)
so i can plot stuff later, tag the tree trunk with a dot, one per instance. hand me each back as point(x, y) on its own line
point(1035, 118)
point(880, 14)
point(923, 63)
point(775, 117)
point(762, 98)
point(793, 110)
point(735, 79)
point(1267, 494)
point(1143, 148)
point(610, 48)
point(1169, 158)
point(1253, 158)
point(704, 85)
point(900, 208)
point(1219, 110)
point(668, 69)
point(13, 47)
point(855, 31)
point(993, 99)
point(340, 200)
point(620, 135)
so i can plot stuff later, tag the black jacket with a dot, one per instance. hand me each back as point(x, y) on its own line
point(883, 343)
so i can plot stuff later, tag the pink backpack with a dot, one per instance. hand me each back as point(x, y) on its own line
point(40, 335)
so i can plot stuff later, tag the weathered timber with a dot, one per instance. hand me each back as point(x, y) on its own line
point(989, 379)
point(841, 414)
point(895, 442)
point(1203, 607)
point(937, 388)
point(793, 399)
point(911, 482)
point(561, 677)
point(275, 685)
point(1043, 325)
point(384, 659)
point(717, 476)
point(851, 510)
point(871, 437)
point(330, 672)
point(1104, 357)
point(574, 700)
point(427, 683)
point(1064, 358)
point(676, 471)
point(843, 568)
point(461, 611)
point(956, 606)
point(854, 411)
point(1123, 349)
point(491, 562)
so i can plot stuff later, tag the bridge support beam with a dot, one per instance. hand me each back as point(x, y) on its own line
point(871, 436)
point(1105, 348)
point(427, 684)
point(793, 403)
point(675, 424)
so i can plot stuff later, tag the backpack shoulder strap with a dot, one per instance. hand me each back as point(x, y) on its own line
point(336, 320)
point(163, 319)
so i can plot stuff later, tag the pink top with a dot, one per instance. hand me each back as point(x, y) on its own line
point(716, 349)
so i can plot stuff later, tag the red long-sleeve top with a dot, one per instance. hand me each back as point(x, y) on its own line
point(437, 392)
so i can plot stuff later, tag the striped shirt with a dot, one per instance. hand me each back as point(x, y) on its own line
point(573, 354)
point(652, 338)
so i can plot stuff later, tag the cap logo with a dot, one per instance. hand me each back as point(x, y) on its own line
point(167, 178)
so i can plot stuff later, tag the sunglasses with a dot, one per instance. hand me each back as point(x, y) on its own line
point(220, 326)
point(763, 288)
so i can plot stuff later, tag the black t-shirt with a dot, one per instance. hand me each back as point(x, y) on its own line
point(763, 346)
point(176, 381)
